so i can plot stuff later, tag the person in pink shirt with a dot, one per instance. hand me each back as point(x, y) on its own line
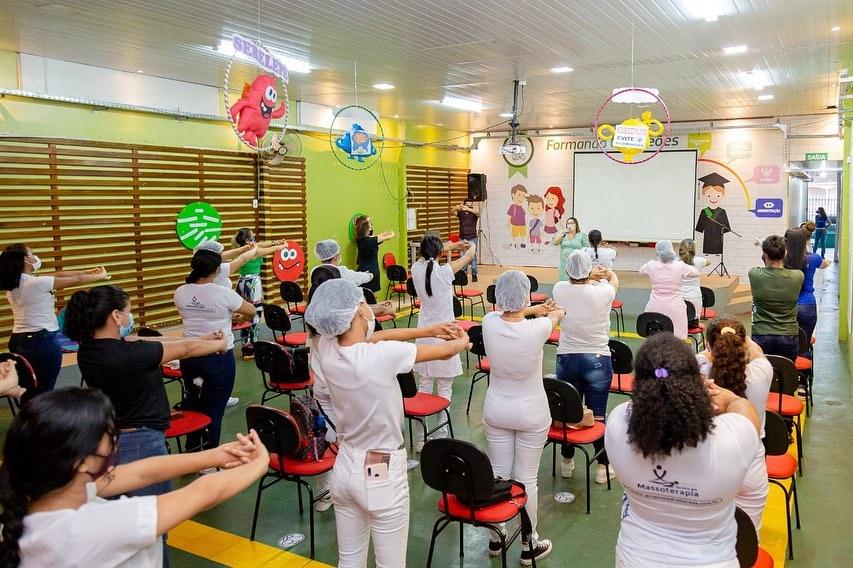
point(666, 275)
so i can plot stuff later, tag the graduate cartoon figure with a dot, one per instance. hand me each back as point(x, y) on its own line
point(713, 221)
point(516, 216)
point(536, 208)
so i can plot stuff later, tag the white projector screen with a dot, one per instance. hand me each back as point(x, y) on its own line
point(645, 202)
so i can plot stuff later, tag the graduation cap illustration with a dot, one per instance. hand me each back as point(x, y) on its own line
point(713, 179)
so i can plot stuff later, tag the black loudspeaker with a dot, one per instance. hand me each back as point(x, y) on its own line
point(477, 187)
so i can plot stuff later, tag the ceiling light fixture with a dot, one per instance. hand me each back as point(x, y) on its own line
point(462, 104)
point(765, 97)
point(383, 86)
point(506, 115)
point(396, 116)
point(226, 48)
point(565, 69)
point(836, 29)
point(756, 78)
point(140, 71)
point(731, 50)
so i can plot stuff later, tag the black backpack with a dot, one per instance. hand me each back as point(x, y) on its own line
point(311, 427)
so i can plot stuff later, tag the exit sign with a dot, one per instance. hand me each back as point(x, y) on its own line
point(817, 156)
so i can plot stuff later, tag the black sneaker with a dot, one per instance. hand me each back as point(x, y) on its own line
point(474, 278)
point(543, 549)
point(495, 548)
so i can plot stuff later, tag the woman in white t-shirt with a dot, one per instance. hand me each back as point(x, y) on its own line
point(600, 252)
point(31, 299)
point(690, 288)
point(679, 464)
point(734, 361)
point(59, 469)
point(583, 354)
point(232, 259)
point(434, 285)
point(515, 414)
point(206, 307)
point(370, 488)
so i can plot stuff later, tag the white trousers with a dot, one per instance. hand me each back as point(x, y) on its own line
point(324, 480)
point(524, 448)
point(379, 510)
point(445, 390)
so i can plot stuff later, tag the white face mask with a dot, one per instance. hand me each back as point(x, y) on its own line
point(91, 490)
point(371, 324)
point(36, 264)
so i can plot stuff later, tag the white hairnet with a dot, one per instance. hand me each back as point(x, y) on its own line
point(327, 249)
point(579, 265)
point(512, 291)
point(665, 251)
point(214, 246)
point(333, 306)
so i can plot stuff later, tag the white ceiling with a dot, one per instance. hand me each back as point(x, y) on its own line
point(471, 49)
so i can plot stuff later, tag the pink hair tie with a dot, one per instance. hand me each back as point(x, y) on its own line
point(661, 373)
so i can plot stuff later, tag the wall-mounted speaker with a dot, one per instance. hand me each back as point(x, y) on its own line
point(477, 187)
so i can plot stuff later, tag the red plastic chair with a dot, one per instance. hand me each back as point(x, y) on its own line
point(370, 298)
point(535, 296)
point(781, 466)
point(283, 371)
point(472, 296)
point(783, 398)
point(746, 546)
point(278, 320)
point(698, 330)
point(184, 422)
point(388, 259)
point(622, 360)
point(418, 406)
point(616, 308)
point(708, 300)
point(294, 300)
point(170, 374)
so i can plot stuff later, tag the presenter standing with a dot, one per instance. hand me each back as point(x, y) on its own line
point(468, 213)
point(569, 240)
point(368, 249)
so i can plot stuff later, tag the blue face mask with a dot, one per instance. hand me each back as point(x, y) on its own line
point(125, 330)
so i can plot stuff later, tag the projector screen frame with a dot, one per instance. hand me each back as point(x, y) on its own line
point(659, 151)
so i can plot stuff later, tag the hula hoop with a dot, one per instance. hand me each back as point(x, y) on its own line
point(666, 129)
point(380, 137)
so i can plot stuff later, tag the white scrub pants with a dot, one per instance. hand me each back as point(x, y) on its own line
point(445, 390)
point(752, 496)
point(379, 510)
point(525, 448)
point(321, 395)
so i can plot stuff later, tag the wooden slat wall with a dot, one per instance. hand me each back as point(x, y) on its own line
point(80, 204)
point(434, 191)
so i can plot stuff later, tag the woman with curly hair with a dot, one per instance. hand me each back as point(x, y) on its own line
point(681, 449)
point(736, 362)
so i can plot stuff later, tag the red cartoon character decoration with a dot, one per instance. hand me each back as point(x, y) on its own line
point(289, 262)
point(252, 113)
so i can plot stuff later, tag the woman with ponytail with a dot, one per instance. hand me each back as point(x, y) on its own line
point(601, 253)
point(31, 299)
point(434, 285)
point(59, 466)
point(681, 448)
point(207, 308)
point(128, 369)
point(735, 362)
point(690, 285)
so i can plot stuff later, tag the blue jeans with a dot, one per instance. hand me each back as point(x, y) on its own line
point(140, 444)
point(591, 374)
point(782, 345)
point(820, 241)
point(217, 370)
point(807, 318)
point(473, 260)
point(41, 349)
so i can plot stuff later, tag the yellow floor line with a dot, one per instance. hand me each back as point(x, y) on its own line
point(232, 550)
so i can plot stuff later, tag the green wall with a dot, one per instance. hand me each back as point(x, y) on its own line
point(334, 191)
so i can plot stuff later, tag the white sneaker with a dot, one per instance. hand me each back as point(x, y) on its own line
point(543, 548)
point(232, 401)
point(601, 474)
point(567, 467)
point(323, 504)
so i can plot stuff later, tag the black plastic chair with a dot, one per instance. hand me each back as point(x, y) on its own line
point(414, 303)
point(464, 324)
point(26, 378)
point(472, 296)
point(419, 406)
point(283, 370)
point(536, 297)
point(277, 319)
point(566, 406)
point(805, 367)
point(370, 298)
point(490, 295)
point(622, 360)
point(464, 475)
point(277, 430)
point(397, 277)
point(650, 323)
point(781, 466)
point(746, 545)
point(708, 301)
point(693, 332)
point(478, 348)
point(170, 375)
point(291, 293)
point(783, 398)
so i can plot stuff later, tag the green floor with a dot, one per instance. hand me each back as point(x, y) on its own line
point(579, 539)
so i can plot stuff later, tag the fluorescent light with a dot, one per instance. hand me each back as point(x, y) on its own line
point(765, 97)
point(561, 69)
point(836, 29)
point(140, 71)
point(731, 50)
point(756, 78)
point(383, 86)
point(226, 48)
point(462, 104)
point(506, 115)
point(396, 116)
point(439, 124)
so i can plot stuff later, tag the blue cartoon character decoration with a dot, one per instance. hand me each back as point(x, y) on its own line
point(357, 143)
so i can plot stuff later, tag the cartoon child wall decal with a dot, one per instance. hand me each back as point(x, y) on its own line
point(554, 209)
point(516, 216)
point(536, 208)
point(713, 220)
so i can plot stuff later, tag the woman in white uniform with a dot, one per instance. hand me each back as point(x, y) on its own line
point(232, 259)
point(690, 288)
point(680, 465)
point(516, 415)
point(370, 487)
point(600, 252)
point(434, 285)
point(734, 361)
point(329, 252)
point(59, 470)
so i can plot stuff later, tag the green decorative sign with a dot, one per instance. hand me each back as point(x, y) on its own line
point(817, 156)
point(198, 222)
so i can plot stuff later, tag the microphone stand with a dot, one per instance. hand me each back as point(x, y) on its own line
point(721, 266)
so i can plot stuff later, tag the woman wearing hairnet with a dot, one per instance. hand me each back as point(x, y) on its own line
point(583, 354)
point(516, 415)
point(666, 276)
point(370, 487)
point(434, 285)
point(328, 252)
